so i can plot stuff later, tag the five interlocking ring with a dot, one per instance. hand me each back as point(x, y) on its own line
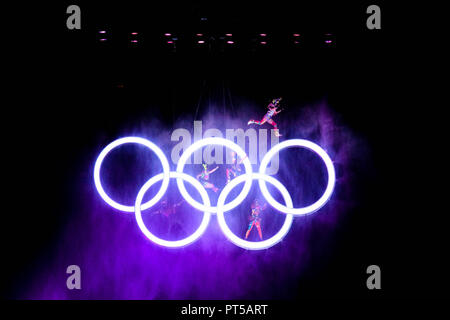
point(221, 207)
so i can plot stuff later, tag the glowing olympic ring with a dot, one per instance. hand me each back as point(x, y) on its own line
point(115, 144)
point(251, 244)
point(200, 144)
point(221, 207)
point(178, 243)
point(330, 169)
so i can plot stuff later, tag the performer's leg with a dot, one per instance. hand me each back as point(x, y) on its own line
point(277, 132)
point(250, 226)
point(272, 123)
point(208, 185)
point(263, 120)
point(228, 174)
point(258, 226)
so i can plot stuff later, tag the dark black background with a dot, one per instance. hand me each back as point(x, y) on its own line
point(60, 78)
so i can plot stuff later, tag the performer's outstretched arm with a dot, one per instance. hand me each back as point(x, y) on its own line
point(213, 170)
point(242, 160)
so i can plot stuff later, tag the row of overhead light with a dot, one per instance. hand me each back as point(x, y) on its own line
point(103, 36)
point(170, 39)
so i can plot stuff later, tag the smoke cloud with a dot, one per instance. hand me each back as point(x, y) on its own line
point(118, 262)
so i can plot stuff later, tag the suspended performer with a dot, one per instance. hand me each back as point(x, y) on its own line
point(167, 209)
point(255, 219)
point(268, 116)
point(170, 224)
point(234, 167)
point(203, 177)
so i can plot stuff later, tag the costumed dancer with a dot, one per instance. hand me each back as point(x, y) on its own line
point(166, 214)
point(255, 219)
point(234, 167)
point(268, 116)
point(166, 209)
point(203, 177)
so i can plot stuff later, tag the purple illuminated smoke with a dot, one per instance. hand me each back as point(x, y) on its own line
point(118, 262)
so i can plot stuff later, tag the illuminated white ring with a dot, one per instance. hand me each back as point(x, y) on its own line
point(119, 142)
point(178, 243)
point(251, 244)
point(330, 169)
point(200, 144)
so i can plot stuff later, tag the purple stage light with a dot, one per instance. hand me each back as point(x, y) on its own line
point(328, 41)
point(134, 33)
point(102, 31)
point(229, 34)
point(103, 39)
point(296, 34)
point(134, 41)
point(167, 34)
point(230, 42)
point(199, 34)
point(201, 41)
point(263, 42)
point(263, 34)
point(170, 41)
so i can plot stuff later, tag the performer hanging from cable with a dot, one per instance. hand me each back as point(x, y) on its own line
point(170, 222)
point(166, 209)
point(255, 219)
point(204, 177)
point(234, 167)
point(268, 116)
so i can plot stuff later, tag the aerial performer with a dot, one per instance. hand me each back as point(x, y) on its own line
point(203, 177)
point(167, 209)
point(255, 219)
point(268, 116)
point(234, 167)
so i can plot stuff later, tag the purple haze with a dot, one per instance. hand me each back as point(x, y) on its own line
point(118, 262)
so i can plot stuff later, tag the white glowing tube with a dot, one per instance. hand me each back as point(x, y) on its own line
point(330, 170)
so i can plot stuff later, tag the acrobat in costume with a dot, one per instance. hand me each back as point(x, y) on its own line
point(167, 209)
point(204, 177)
point(268, 116)
point(255, 219)
point(234, 167)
